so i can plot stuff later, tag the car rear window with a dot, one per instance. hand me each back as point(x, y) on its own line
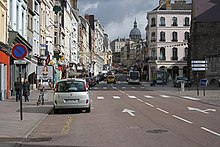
point(71, 86)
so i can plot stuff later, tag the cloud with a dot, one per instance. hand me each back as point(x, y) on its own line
point(117, 16)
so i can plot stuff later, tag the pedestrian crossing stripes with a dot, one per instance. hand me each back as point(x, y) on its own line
point(116, 97)
point(148, 96)
point(165, 96)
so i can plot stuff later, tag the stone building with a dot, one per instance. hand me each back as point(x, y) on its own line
point(205, 38)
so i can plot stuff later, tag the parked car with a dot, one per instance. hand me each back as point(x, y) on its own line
point(71, 94)
point(179, 79)
point(111, 79)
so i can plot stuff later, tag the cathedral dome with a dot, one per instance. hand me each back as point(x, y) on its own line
point(135, 33)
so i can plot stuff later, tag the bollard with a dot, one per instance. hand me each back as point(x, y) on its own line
point(182, 86)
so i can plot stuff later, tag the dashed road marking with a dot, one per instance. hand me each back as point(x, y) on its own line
point(123, 87)
point(140, 100)
point(67, 125)
point(190, 98)
point(104, 87)
point(187, 121)
point(162, 110)
point(210, 131)
point(149, 104)
point(133, 87)
point(116, 97)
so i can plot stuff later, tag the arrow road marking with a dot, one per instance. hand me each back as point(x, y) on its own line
point(129, 111)
point(199, 110)
point(116, 97)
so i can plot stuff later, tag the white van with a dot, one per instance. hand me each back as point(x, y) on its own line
point(133, 77)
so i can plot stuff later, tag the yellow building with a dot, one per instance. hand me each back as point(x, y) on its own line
point(3, 23)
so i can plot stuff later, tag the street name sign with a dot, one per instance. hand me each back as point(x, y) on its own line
point(19, 51)
point(199, 65)
point(20, 62)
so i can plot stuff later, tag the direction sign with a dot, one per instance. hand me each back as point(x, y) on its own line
point(199, 65)
point(19, 51)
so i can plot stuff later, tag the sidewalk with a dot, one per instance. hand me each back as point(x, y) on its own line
point(212, 93)
point(12, 128)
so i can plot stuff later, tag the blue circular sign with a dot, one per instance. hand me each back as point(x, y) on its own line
point(19, 51)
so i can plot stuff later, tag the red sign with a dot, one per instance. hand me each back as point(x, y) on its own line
point(19, 51)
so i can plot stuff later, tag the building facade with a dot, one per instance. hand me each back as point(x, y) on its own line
point(168, 33)
point(4, 53)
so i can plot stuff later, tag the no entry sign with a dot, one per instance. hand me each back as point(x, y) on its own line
point(19, 51)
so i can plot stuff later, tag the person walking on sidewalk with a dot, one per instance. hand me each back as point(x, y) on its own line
point(17, 89)
point(26, 90)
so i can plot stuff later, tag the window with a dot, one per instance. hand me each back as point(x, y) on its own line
point(153, 22)
point(162, 36)
point(186, 35)
point(22, 23)
point(174, 21)
point(186, 21)
point(174, 35)
point(162, 21)
point(17, 18)
point(3, 27)
point(153, 54)
point(174, 57)
point(186, 54)
point(36, 7)
point(162, 53)
point(153, 37)
point(55, 37)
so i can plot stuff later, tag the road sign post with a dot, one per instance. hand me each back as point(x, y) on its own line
point(19, 52)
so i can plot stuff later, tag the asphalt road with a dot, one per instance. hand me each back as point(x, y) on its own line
point(131, 115)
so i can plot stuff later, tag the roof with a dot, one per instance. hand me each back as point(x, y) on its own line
point(206, 10)
point(175, 6)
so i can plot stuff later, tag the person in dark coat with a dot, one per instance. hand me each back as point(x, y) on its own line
point(17, 89)
point(26, 90)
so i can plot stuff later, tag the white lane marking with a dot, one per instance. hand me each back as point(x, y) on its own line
point(165, 96)
point(104, 87)
point(114, 87)
point(129, 111)
point(203, 111)
point(148, 96)
point(95, 88)
point(162, 110)
point(191, 98)
point(133, 87)
point(140, 100)
point(187, 121)
point(210, 131)
point(149, 104)
point(100, 98)
point(132, 97)
point(142, 87)
point(123, 87)
point(116, 97)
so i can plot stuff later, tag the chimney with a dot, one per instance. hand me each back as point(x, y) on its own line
point(73, 4)
point(168, 6)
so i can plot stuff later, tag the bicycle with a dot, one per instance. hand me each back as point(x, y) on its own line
point(41, 96)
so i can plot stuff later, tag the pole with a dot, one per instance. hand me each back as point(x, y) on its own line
point(20, 95)
point(197, 77)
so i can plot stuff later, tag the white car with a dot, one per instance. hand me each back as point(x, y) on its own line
point(71, 94)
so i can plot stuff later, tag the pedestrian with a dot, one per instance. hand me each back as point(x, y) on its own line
point(17, 89)
point(26, 90)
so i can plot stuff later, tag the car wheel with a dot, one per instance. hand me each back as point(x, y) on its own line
point(88, 110)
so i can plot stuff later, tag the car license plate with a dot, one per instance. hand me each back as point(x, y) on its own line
point(72, 101)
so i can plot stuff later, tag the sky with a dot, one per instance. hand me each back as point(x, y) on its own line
point(118, 16)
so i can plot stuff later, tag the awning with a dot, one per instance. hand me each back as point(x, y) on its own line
point(31, 68)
